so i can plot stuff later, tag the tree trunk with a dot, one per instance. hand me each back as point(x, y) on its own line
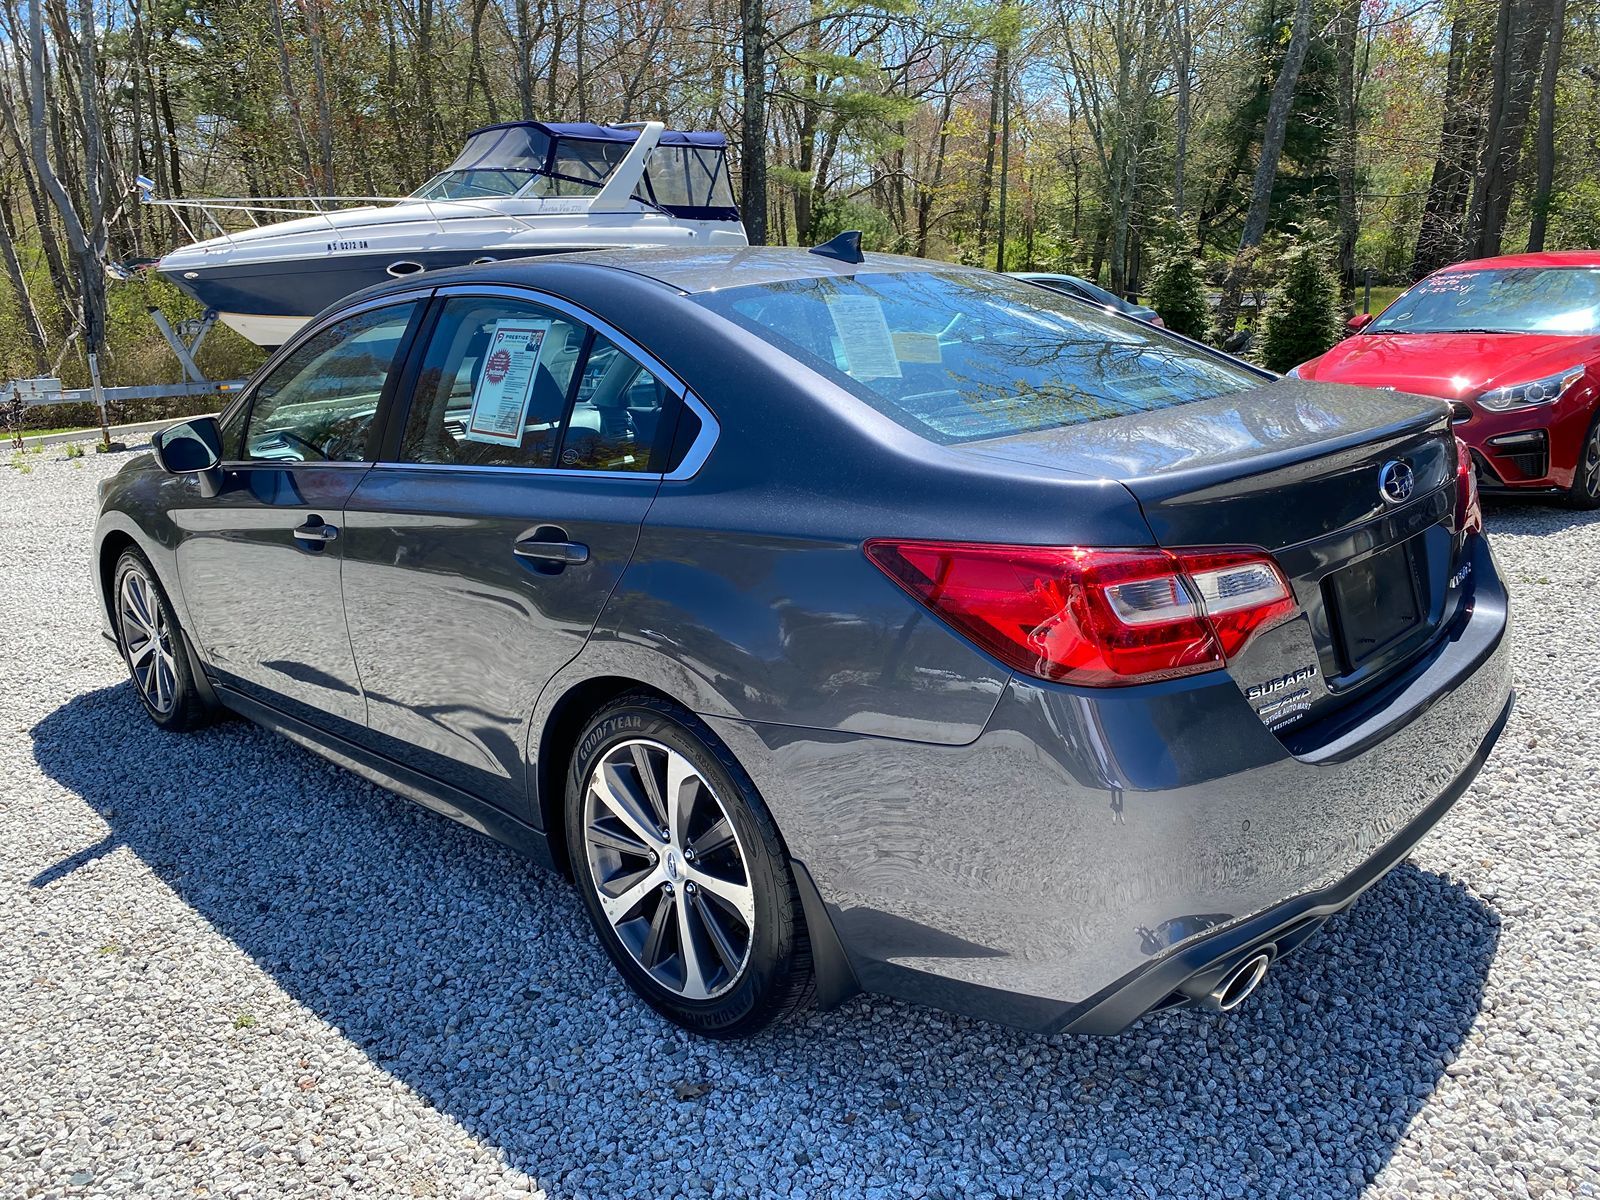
point(1545, 140)
point(91, 279)
point(925, 196)
point(319, 83)
point(991, 136)
point(38, 341)
point(524, 61)
point(1439, 238)
point(1272, 135)
point(753, 123)
point(1519, 47)
point(37, 203)
point(286, 81)
point(1005, 171)
point(1183, 69)
point(1347, 24)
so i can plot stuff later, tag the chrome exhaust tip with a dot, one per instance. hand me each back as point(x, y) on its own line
point(1233, 988)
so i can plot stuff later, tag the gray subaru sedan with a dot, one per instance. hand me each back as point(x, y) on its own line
point(838, 623)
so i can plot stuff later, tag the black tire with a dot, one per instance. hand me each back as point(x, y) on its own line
point(162, 678)
point(776, 976)
point(1585, 490)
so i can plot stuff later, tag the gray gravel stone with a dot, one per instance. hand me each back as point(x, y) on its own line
point(231, 969)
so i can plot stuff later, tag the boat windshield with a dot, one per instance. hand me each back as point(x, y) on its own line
point(474, 184)
point(686, 175)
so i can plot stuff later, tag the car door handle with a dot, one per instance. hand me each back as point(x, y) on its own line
point(316, 530)
point(568, 554)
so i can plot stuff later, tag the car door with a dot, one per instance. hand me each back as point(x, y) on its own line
point(482, 546)
point(259, 563)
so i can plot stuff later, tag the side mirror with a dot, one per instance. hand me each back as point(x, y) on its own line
point(1358, 322)
point(192, 448)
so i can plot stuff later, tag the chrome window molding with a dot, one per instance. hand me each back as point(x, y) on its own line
point(693, 459)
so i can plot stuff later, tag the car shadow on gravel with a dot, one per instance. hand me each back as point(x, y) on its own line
point(470, 976)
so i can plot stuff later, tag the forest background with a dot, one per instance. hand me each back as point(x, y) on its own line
point(1098, 137)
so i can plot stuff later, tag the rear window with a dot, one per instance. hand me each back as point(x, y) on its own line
point(958, 356)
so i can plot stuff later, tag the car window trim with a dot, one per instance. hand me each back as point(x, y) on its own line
point(579, 366)
point(403, 354)
point(693, 459)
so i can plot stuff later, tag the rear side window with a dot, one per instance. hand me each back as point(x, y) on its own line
point(317, 404)
point(616, 414)
point(959, 356)
point(494, 385)
point(509, 383)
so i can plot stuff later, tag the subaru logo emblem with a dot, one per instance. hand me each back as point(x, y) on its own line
point(1396, 482)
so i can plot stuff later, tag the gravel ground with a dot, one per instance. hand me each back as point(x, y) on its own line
point(229, 969)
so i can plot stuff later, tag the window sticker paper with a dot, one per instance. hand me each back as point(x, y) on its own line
point(864, 337)
point(913, 347)
point(505, 384)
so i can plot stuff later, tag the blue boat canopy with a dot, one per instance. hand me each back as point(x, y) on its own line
point(686, 174)
point(590, 132)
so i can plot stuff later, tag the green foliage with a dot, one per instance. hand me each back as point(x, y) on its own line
point(1305, 183)
point(1178, 293)
point(833, 217)
point(1301, 319)
point(74, 450)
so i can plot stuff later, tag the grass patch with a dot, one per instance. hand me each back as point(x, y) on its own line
point(1382, 297)
point(28, 433)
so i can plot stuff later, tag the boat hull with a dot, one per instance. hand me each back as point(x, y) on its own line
point(266, 302)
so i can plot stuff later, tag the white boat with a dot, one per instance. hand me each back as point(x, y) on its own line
point(517, 189)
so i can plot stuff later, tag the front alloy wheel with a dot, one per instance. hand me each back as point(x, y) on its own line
point(152, 645)
point(147, 641)
point(1585, 490)
point(682, 871)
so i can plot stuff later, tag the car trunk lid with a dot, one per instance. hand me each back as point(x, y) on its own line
point(1298, 470)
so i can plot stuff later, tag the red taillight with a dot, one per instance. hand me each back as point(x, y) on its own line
point(1469, 509)
point(1097, 618)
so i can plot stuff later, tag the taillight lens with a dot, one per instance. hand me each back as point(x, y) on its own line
point(1469, 509)
point(1093, 617)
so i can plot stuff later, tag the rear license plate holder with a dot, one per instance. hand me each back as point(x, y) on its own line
point(1376, 603)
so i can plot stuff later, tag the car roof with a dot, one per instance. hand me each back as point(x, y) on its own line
point(701, 269)
point(1546, 258)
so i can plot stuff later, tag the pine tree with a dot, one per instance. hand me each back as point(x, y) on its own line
point(1178, 293)
point(1302, 314)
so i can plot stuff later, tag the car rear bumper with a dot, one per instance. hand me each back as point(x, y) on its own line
point(1090, 851)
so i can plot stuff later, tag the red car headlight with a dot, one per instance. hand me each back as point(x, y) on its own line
point(1534, 392)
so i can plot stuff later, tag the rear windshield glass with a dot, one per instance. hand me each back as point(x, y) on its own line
point(1510, 300)
point(959, 356)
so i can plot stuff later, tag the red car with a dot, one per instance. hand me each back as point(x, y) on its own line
point(1514, 344)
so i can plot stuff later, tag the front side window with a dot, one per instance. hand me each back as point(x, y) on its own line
point(317, 404)
point(958, 356)
point(1560, 300)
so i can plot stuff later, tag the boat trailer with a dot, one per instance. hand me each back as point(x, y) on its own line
point(185, 340)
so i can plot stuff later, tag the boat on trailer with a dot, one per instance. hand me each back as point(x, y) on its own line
point(517, 189)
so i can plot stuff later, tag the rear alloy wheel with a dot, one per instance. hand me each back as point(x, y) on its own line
point(152, 646)
point(1585, 490)
point(682, 871)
